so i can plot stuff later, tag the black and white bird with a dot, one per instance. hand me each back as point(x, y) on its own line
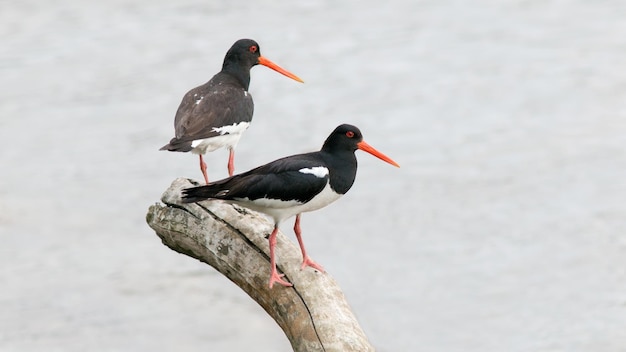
point(215, 114)
point(293, 185)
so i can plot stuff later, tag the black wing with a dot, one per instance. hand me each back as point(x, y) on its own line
point(281, 179)
point(220, 102)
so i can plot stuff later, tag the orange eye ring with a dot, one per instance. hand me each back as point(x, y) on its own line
point(349, 134)
point(253, 49)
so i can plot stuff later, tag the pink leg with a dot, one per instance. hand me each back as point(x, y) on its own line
point(203, 169)
point(306, 261)
point(275, 276)
point(231, 162)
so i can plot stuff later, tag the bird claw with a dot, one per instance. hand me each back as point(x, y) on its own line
point(276, 277)
point(309, 262)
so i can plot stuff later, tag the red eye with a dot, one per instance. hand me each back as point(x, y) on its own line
point(349, 134)
point(253, 49)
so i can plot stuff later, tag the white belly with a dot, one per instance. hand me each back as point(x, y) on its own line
point(229, 137)
point(280, 210)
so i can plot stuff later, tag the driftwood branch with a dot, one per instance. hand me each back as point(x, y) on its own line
point(313, 313)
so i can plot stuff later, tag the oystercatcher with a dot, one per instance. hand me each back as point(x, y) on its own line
point(293, 185)
point(216, 114)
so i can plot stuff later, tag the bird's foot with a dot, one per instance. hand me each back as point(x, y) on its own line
point(276, 277)
point(309, 262)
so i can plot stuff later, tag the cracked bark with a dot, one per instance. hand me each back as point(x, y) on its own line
point(313, 313)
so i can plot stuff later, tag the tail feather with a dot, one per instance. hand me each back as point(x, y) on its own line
point(200, 193)
point(176, 145)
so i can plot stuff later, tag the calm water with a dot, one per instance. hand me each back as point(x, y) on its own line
point(504, 230)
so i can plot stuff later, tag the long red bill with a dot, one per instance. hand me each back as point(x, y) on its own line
point(265, 62)
point(368, 148)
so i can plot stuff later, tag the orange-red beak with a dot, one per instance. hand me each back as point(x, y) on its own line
point(368, 148)
point(265, 62)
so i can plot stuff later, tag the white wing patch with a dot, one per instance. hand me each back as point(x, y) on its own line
point(235, 128)
point(317, 171)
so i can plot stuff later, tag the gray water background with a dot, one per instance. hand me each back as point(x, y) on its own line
point(504, 229)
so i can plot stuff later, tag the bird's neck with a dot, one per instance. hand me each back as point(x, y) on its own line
point(344, 165)
point(241, 74)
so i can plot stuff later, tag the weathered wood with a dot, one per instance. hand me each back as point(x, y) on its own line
point(313, 313)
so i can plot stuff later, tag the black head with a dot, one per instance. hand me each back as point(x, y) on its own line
point(244, 53)
point(349, 138)
point(344, 137)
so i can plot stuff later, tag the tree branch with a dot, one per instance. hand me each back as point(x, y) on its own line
point(313, 313)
